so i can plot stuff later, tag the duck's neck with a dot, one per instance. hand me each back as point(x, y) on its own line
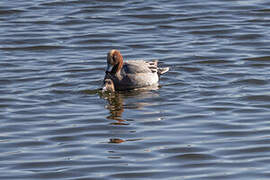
point(117, 68)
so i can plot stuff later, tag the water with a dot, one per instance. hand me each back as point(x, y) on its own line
point(208, 120)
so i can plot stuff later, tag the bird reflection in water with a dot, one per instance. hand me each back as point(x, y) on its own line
point(115, 106)
point(118, 101)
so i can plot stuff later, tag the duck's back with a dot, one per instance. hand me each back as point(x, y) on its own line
point(136, 74)
point(136, 66)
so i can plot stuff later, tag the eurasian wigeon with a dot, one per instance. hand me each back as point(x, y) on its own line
point(131, 74)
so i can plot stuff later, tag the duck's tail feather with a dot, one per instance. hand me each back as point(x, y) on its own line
point(163, 70)
point(153, 65)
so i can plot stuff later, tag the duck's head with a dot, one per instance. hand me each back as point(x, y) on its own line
point(114, 61)
point(108, 86)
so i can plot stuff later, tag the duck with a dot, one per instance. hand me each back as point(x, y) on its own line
point(131, 74)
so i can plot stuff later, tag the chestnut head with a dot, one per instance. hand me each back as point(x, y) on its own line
point(114, 61)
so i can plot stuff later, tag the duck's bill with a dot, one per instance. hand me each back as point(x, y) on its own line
point(109, 68)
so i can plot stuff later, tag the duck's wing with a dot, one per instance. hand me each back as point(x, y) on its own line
point(140, 66)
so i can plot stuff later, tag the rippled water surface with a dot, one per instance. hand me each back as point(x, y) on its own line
point(210, 118)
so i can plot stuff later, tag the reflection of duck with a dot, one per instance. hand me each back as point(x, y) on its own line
point(131, 74)
point(119, 101)
point(116, 104)
point(108, 85)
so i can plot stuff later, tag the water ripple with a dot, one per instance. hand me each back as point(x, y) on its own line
point(207, 120)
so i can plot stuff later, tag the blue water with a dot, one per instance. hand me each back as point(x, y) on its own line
point(208, 120)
